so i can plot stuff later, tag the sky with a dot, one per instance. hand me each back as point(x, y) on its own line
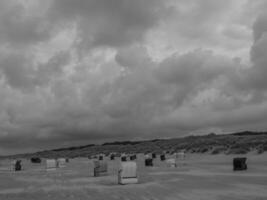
point(76, 72)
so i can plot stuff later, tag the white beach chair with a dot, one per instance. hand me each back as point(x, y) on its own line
point(128, 173)
point(51, 164)
point(61, 162)
point(171, 162)
point(181, 157)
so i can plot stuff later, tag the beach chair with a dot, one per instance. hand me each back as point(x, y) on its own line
point(239, 164)
point(180, 155)
point(100, 168)
point(128, 173)
point(171, 162)
point(61, 162)
point(51, 164)
point(124, 158)
point(149, 162)
point(16, 165)
point(133, 157)
point(12, 165)
point(112, 157)
point(36, 160)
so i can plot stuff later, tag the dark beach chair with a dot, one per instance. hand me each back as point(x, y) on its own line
point(239, 164)
point(149, 162)
point(100, 168)
point(162, 157)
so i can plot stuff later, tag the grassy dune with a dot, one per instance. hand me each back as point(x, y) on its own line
point(237, 143)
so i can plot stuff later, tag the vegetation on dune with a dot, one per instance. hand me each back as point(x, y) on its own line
point(235, 143)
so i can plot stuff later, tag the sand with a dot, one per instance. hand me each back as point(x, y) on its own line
point(202, 176)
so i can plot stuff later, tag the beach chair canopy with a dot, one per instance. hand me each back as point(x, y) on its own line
point(148, 162)
point(124, 158)
point(36, 160)
point(239, 163)
point(133, 157)
point(162, 157)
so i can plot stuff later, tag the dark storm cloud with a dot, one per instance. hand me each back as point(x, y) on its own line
point(135, 56)
point(19, 26)
point(254, 78)
point(19, 71)
point(108, 22)
point(147, 69)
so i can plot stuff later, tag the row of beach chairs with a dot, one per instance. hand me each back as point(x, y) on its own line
point(127, 172)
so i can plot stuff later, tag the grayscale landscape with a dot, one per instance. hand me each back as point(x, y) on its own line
point(133, 99)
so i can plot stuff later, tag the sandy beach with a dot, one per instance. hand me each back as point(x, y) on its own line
point(202, 176)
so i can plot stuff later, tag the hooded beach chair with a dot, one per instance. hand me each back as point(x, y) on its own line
point(123, 158)
point(36, 160)
point(51, 164)
point(112, 157)
point(133, 157)
point(149, 162)
point(61, 162)
point(16, 165)
point(12, 165)
point(239, 163)
point(128, 173)
point(100, 168)
point(180, 155)
point(171, 162)
point(101, 157)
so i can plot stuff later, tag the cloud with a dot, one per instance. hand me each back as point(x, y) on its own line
point(20, 72)
point(131, 102)
point(135, 56)
point(75, 72)
point(108, 23)
point(192, 66)
point(20, 26)
point(253, 78)
point(221, 26)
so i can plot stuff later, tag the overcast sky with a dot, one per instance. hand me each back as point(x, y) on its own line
point(85, 71)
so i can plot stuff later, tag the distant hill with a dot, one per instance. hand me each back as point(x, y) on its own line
point(234, 143)
point(250, 133)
